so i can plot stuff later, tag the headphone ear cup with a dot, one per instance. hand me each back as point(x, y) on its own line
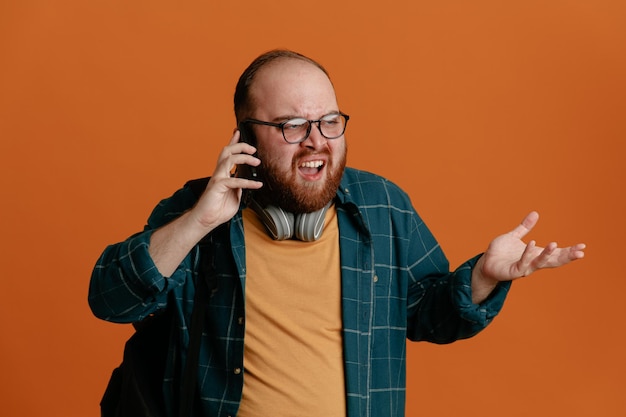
point(282, 225)
point(309, 226)
point(278, 222)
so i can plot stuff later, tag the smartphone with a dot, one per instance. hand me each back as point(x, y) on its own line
point(246, 135)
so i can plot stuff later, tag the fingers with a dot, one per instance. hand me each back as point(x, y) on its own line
point(223, 184)
point(227, 164)
point(530, 261)
point(236, 147)
point(578, 251)
point(526, 226)
point(573, 253)
point(241, 183)
point(543, 259)
point(553, 256)
point(524, 265)
point(235, 138)
point(233, 154)
point(549, 257)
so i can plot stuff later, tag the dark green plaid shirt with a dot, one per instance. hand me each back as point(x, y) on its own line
point(396, 284)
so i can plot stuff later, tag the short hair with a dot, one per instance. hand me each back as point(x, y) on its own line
point(242, 100)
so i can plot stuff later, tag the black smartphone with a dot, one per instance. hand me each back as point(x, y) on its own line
point(246, 134)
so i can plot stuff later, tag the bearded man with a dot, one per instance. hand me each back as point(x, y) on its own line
point(327, 270)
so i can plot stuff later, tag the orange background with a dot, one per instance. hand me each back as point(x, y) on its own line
point(481, 110)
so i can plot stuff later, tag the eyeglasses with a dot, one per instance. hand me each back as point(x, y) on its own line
point(298, 129)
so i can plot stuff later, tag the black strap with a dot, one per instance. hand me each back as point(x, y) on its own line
point(200, 301)
point(206, 283)
point(198, 185)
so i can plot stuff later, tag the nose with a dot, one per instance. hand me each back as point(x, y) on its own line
point(315, 140)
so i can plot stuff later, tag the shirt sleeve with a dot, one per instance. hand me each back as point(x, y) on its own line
point(479, 314)
point(126, 285)
point(440, 307)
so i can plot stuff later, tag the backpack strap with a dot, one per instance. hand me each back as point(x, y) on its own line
point(205, 285)
point(198, 185)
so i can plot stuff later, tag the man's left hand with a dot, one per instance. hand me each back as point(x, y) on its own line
point(508, 258)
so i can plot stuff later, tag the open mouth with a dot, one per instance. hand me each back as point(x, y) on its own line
point(309, 168)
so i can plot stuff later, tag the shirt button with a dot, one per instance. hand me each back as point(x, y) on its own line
point(240, 320)
point(237, 371)
point(375, 278)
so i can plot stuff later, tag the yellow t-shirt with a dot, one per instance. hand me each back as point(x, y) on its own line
point(293, 352)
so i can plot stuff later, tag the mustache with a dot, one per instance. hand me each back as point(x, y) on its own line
point(307, 153)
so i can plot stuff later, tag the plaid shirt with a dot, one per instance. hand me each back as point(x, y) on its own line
point(396, 284)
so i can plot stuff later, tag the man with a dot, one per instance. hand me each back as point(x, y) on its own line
point(314, 325)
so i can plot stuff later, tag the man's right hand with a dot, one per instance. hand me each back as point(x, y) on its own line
point(220, 201)
point(218, 204)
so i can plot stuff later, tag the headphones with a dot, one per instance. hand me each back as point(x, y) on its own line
point(282, 225)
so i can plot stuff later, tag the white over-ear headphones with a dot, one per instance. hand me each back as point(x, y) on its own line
point(282, 225)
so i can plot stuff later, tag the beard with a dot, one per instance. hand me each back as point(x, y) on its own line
point(283, 188)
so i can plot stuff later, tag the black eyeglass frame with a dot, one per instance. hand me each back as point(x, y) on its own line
point(308, 131)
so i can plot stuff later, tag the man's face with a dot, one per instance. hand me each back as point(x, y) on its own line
point(299, 177)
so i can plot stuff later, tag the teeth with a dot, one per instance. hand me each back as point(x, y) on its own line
point(312, 164)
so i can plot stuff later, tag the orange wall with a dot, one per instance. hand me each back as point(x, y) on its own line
point(482, 110)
